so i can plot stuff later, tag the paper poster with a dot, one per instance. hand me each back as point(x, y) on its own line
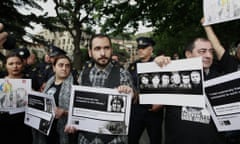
point(99, 110)
point(39, 112)
point(13, 94)
point(178, 83)
point(223, 97)
point(217, 11)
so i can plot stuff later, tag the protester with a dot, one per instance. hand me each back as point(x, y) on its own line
point(13, 124)
point(144, 116)
point(100, 72)
point(178, 128)
point(59, 87)
point(48, 71)
point(233, 137)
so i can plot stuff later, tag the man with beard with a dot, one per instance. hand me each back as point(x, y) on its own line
point(100, 72)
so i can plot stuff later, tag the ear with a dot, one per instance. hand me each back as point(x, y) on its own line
point(188, 54)
point(89, 52)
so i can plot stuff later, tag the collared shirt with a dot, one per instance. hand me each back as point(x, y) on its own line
point(97, 78)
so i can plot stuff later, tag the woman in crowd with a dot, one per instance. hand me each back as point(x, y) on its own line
point(59, 87)
point(12, 125)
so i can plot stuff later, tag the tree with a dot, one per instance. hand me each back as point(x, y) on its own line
point(175, 22)
point(15, 21)
point(78, 16)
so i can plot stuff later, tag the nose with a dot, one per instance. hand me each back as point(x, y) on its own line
point(102, 52)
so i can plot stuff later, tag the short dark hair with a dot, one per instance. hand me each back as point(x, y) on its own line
point(12, 54)
point(99, 36)
point(62, 57)
point(190, 46)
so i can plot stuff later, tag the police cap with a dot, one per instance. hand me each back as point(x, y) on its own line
point(55, 51)
point(143, 42)
point(22, 52)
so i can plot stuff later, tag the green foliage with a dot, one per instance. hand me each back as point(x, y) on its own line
point(14, 21)
point(84, 54)
point(175, 22)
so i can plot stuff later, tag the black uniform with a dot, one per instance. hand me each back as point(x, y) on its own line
point(142, 118)
point(196, 131)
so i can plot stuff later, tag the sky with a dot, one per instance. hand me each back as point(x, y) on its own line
point(49, 7)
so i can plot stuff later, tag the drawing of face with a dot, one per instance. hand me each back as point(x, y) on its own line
point(117, 104)
point(195, 77)
point(155, 80)
point(144, 80)
point(165, 79)
point(175, 78)
point(185, 79)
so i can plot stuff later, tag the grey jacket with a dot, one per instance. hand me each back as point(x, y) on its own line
point(64, 100)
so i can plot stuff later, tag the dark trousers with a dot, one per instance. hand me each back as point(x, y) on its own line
point(142, 118)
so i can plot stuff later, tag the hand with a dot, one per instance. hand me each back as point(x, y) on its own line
point(42, 87)
point(162, 60)
point(156, 108)
point(125, 89)
point(60, 112)
point(3, 35)
point(70, 129)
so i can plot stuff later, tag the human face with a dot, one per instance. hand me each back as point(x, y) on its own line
point(116, 105)
point(165, 80)
point(62, 68)
point(14, 66)
point(175, 78)
point(101, 51)
point(203, 49)
point(186, 79)
point(144, 80)
point(195, 77)
point(145, 54)
point(155, 80)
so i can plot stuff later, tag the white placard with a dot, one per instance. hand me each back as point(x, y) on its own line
point(13, 94)
point(217, 11)
point(102, 111)
point(178, 83)
point(39, 112)
point(223, 99)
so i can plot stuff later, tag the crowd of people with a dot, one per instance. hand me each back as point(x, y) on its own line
point(164, 124)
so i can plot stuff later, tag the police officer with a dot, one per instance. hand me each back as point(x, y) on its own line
point(144, 116)
point(30, 70)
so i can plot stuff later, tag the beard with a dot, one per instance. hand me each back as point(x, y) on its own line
point(102, 64)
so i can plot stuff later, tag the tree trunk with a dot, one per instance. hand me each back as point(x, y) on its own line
point(77, 55)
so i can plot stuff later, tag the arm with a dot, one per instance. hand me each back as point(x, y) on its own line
point(3, 35)
point(219, 49)
point(227, 63)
